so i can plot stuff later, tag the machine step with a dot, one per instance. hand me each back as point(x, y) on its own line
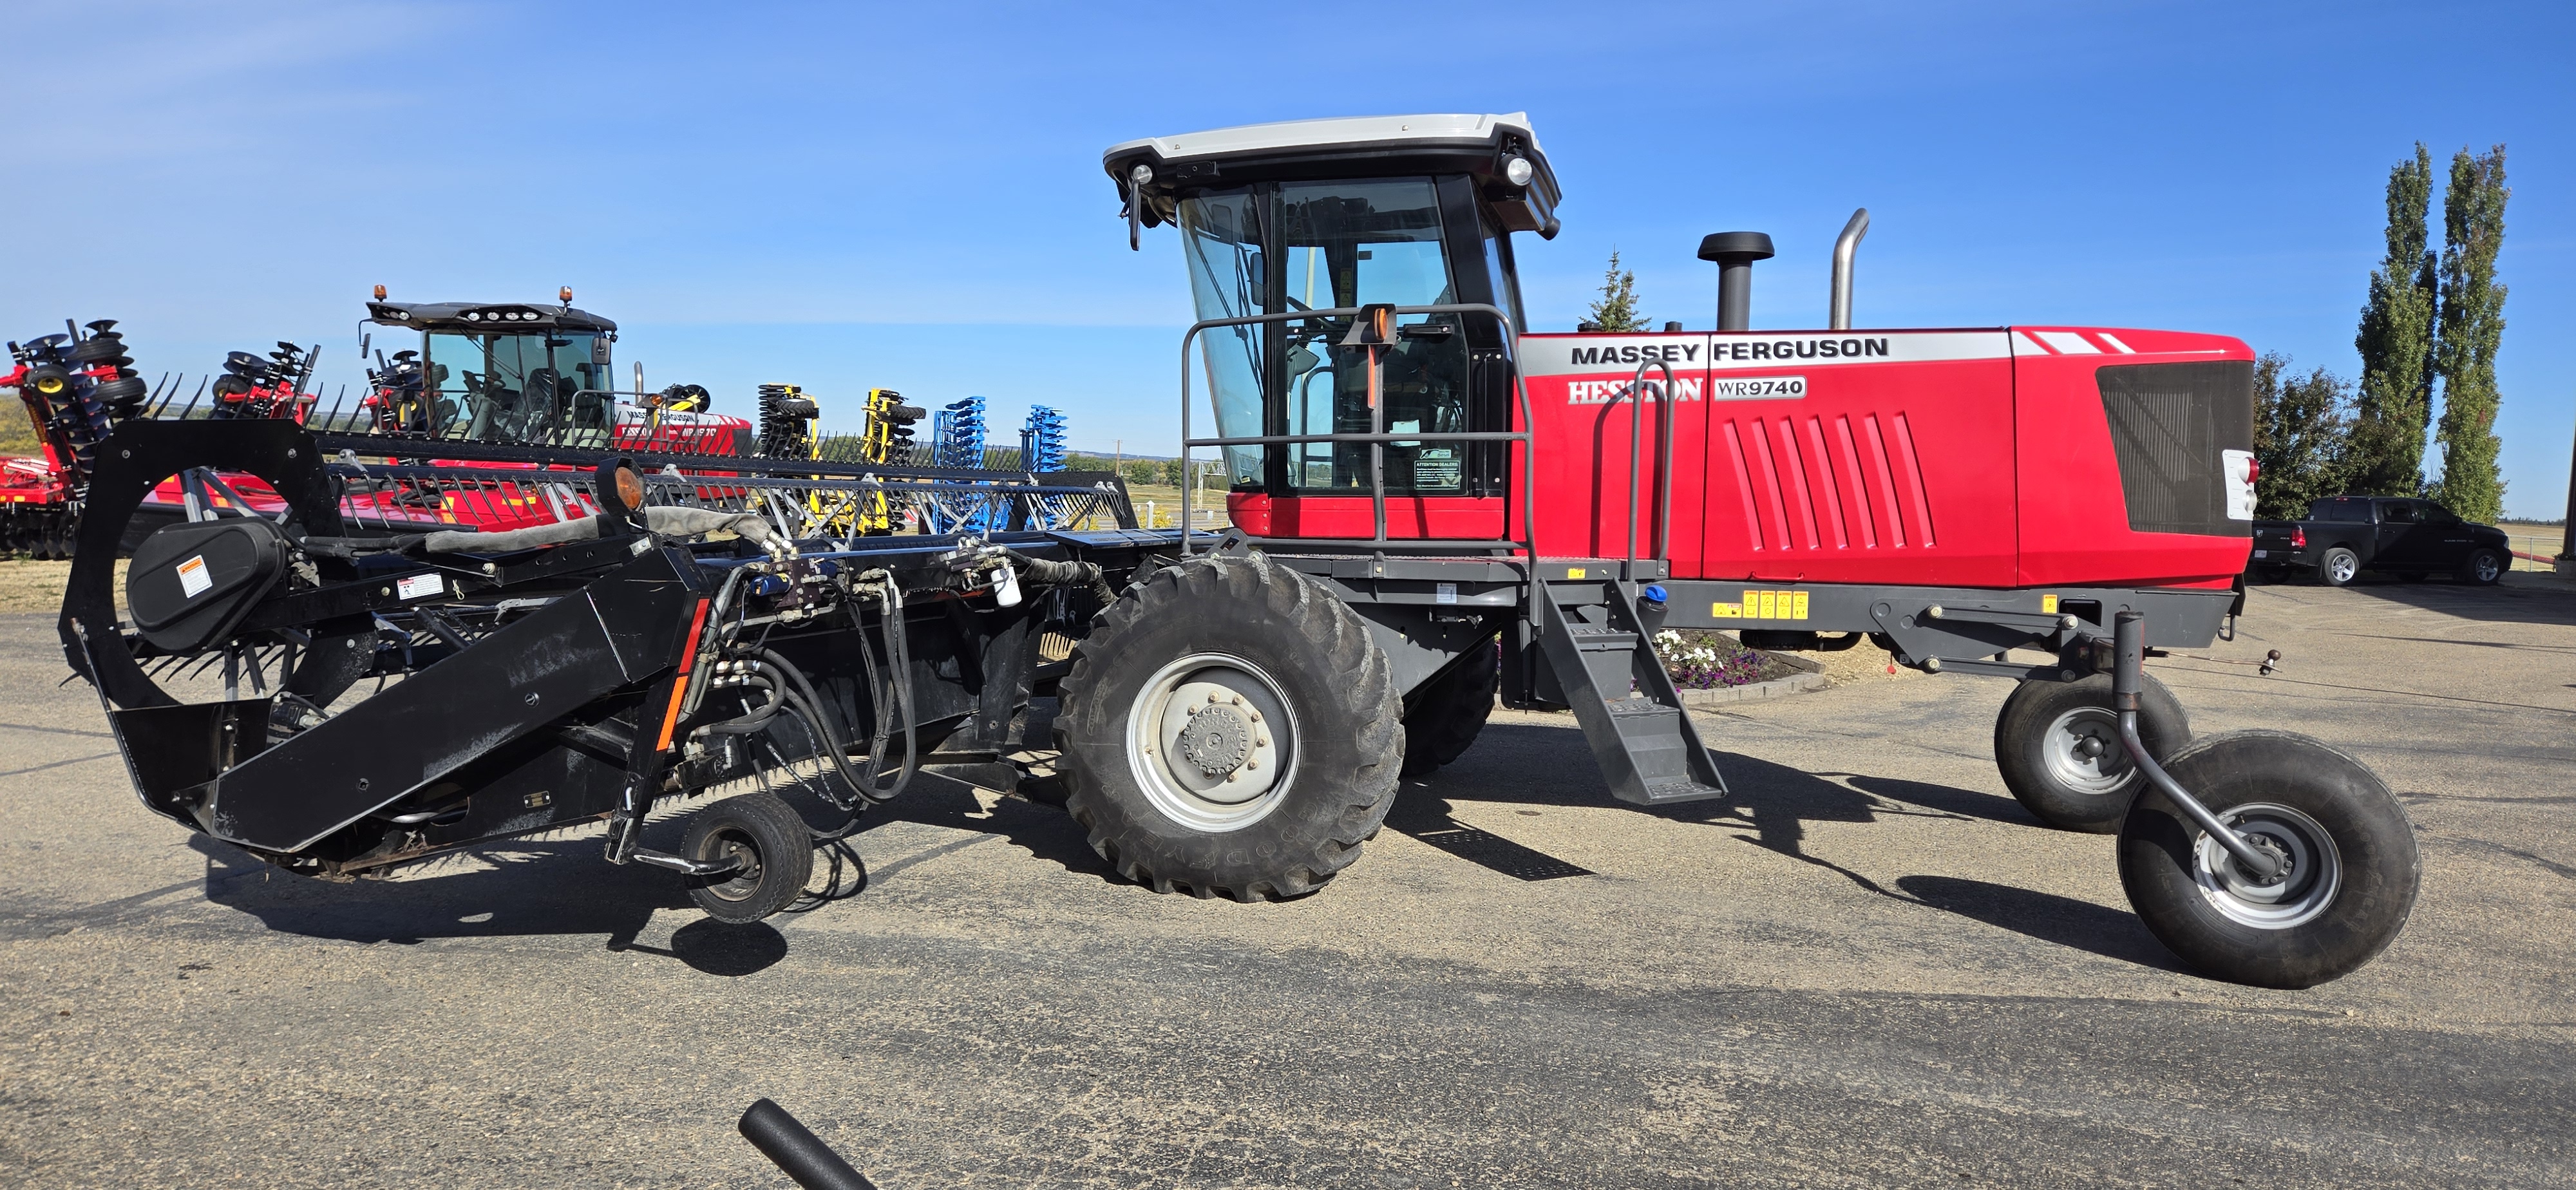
point(1648, 749)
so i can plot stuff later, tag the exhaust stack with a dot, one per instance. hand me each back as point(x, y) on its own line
point(1735, 252)
point(1844, 246)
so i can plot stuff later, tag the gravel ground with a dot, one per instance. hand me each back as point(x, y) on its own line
point(1870, 968)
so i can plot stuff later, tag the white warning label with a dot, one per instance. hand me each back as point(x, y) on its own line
point(193, 579)
point(419, 586)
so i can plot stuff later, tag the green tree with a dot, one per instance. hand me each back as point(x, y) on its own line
point(1617, 308)
point(2397, 343)
point(2472, 325)
point(2302, 437)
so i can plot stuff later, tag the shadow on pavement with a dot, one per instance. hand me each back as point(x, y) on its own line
point(2048, 917)
point(528, 887)
point(716, 948)
point(2520, 599)
point(1770, 806)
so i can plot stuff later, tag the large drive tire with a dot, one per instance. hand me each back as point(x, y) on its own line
point(1229, 728)
point(2484, 568)
point(1451, 712)
point(771, 842)
point(2338, 567)
point(2058, 747)
point(2352, 880)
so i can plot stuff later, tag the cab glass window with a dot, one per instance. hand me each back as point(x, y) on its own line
point(1353, 243)
point(521, 387)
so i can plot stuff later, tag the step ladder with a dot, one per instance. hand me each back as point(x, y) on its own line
point(1642, 737)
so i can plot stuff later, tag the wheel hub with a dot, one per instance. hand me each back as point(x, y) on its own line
point(2084, 753)
point(1212, 742)
point(1218, 740)
point(2311, 869)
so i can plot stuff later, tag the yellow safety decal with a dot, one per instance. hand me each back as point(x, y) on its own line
point(1768, 605)
point(1726, 611)
point(1574, 572)
point(2048, 604)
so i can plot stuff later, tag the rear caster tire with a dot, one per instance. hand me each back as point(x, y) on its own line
point(2353, 875)
point(2338, 567)
point(2058, 747)
point(1229, 728)
point(2484, 568)
point(767, 838)
point(1450, 713)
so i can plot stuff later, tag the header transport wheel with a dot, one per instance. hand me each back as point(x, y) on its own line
point(2352, 867)
point(2058, 746)
point(769, 847)
point(1229, 728)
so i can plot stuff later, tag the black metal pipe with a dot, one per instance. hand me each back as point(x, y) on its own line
point(2128, 678)
point(796, 1151)
point(1735, 252)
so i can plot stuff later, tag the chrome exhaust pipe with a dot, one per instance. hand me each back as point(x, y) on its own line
point(1844, 246)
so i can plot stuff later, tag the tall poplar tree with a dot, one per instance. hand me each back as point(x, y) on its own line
point(2397, 343)
point(2472, 324)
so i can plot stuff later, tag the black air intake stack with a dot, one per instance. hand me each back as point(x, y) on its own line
point(1735, 252)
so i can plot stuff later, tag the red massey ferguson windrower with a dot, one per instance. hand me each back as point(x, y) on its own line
point(1433, 508)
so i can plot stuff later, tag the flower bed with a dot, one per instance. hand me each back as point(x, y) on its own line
point(1700, 659)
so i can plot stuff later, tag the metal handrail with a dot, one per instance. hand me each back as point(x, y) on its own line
point(1377, 437)
point(1663, 460)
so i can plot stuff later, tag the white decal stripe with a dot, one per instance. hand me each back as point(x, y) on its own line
point(1621, 355)
point(2069, 342)
point(2036, 347)
point(2116, 344)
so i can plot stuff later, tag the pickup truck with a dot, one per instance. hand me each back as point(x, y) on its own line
point(2403, 536)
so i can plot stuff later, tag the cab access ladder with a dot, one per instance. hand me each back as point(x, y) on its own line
point(1607, 667)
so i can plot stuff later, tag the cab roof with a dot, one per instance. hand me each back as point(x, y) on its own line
point(1342, 147)
point(483, 317)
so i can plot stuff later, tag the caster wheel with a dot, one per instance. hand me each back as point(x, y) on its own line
point(2352, 864)
point(770, 845)
point(2058, 747)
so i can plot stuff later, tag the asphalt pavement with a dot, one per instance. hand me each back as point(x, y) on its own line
point(1870, 968)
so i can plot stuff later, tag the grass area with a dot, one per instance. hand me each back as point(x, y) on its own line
point(18, 432)
point(1166, 506)
point(2528, 537)
point(28, 585)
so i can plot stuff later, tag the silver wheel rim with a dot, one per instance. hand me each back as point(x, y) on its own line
point(2296, 897)
point(2083, 753)
point(2343, 566)
point(1212, 742)
point(2487, 568)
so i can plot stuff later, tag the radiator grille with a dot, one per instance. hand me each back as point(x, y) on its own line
point(2168, 424)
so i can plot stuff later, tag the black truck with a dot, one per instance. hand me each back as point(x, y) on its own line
point(2403, 536)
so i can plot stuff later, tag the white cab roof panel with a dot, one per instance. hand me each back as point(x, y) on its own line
point(1340, 132)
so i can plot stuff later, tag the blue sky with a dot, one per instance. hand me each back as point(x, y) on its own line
point(910, 196)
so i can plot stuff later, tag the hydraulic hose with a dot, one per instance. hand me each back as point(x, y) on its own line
point(1047, 572)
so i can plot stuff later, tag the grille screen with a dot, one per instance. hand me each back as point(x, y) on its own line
point(2168, 424)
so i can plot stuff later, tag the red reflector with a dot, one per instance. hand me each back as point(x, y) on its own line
point(2298, 538)
point(2253, 470)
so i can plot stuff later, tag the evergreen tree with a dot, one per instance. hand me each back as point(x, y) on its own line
point(2302, 438)
point(2397, 343)
point(1617, 308)
point(2472, 324)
